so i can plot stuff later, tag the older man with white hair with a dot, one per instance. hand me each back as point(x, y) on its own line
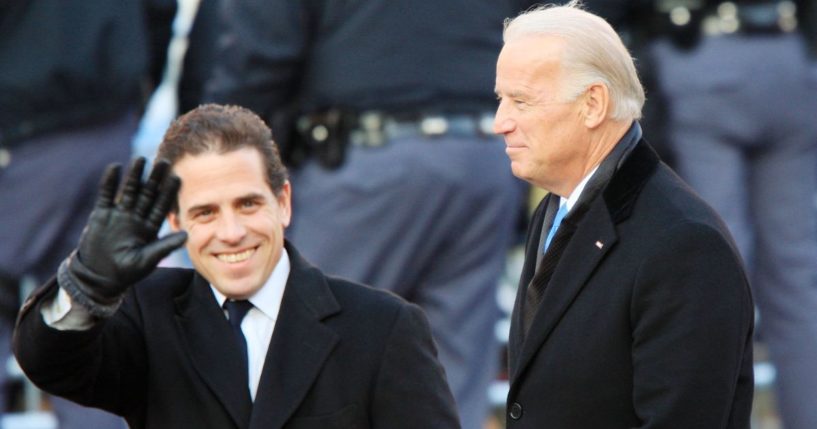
point(633, 307)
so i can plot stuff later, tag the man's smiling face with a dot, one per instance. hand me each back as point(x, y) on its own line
point(543, 132)
point(234, 221)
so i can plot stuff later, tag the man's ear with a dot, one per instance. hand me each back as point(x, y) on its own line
point(284, 198)
point(173, 221)
point(596, 105)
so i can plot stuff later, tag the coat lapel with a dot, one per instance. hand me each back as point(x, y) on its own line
point(207, 337)
point(300, 345)
point(579, 260)
point(594, 238)
point(516, 337)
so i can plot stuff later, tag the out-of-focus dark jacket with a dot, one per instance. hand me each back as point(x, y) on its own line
point(391, 55)
point(75, 62)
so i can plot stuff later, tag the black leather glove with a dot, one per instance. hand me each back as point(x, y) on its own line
point(119, 245)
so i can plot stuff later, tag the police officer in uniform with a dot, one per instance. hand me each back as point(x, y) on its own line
point(386, 107)
point(71, 89)
point(741, 78)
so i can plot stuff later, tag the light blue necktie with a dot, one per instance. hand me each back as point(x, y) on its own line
point(556, 221)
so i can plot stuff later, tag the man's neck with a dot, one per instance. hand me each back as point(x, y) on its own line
point(603, 140)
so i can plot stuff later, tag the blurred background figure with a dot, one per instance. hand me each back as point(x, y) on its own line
point(385, 108)
point(741, 78)
point(190, 55)
point(189, 60)
point(74, 77)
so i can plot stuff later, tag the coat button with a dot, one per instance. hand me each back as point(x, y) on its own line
point(516, 411)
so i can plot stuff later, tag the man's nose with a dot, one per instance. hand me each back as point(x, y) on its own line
point(231, 229)
point(502, 123)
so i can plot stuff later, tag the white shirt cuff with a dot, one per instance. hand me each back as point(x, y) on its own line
point(62, 315)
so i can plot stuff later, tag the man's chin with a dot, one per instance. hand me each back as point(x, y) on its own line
point(236, 289)
point(519, 171)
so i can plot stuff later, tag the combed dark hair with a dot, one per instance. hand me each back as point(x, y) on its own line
point(222, 129)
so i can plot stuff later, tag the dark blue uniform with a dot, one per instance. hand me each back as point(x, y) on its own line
point(71, 84)
point(742, 127)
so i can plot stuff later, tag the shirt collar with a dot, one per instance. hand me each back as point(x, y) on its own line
point(570, 201)
point(268, 298)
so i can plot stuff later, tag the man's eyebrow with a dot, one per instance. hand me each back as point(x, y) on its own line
point(250, 196)
point(514, 93)
point(199, 207)
point(245, 197)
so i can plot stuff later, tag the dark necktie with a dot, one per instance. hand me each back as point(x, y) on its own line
point(236, 310)
point(536, 288)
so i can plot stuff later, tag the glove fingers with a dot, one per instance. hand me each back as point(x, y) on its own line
point(108, 185)
point(133, 183)
point(164, 201)
point(154, 252)
point(147, 195)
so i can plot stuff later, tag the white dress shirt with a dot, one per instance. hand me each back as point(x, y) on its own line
point(259, 322)
point(257, 325)
point(574, 196)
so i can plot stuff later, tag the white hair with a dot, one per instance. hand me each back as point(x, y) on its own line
point(594, 54)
